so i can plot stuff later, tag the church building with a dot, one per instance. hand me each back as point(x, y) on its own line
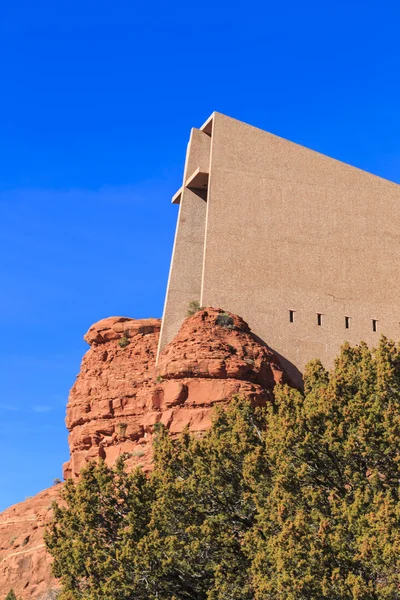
point(305, 248)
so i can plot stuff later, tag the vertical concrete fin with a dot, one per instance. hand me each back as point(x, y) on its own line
point(184, 283)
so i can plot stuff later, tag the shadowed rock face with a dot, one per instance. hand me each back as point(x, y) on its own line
point(117, 398)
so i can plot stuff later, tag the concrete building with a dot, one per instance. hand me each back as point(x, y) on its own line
point(302, 246)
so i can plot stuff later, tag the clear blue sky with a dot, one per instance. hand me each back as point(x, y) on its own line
point(96, 104)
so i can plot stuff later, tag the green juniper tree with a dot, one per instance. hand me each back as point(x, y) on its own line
point(329, 520)
point(177, 534)
point(100, 518)
point(203, 508)
point(296, 501)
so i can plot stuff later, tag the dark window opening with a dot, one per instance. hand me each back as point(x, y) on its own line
point(319, 319)
point(374, 324)
point(347, 322)
point(291, 316)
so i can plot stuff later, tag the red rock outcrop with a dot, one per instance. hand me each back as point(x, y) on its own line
point(119, 394)
point(213, 357)
point(117, 398)
point(108, 400)
point(25, 565)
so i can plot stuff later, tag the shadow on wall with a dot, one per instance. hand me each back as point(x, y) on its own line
point(293, 373)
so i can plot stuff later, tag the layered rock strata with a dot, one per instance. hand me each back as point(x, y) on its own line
point(213, 357)
point(25, 565)
point(120, 394)
point(107, 403)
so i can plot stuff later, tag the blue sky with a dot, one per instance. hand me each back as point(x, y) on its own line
point(97, 101)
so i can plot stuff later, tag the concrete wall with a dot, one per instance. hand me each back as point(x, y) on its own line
point(184, 282)
point(289, 229)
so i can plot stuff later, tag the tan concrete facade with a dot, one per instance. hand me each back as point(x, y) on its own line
point(305, 248)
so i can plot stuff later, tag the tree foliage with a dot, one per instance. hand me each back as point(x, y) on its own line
point(329, 518)
point(296, 501)
point(11, 595)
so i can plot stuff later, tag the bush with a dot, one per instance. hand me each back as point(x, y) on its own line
point(225, 320)
point(295, 501)
point(138, 453)
point(193, 308)
point(122, 427)
point(124, 341)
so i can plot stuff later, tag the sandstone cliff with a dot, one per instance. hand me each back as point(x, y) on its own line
point(25, 565)
point(107, 405)
point(117, 398)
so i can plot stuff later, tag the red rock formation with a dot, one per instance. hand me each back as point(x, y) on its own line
point(118, 397)
point(25, 565)
point(108, 400)
point(213, 357)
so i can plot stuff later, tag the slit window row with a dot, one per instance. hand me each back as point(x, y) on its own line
point(347, 320)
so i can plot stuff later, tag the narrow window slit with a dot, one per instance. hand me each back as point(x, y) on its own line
point(374, 324)
point(291, 316)
point(347, 322)
point(319, 319)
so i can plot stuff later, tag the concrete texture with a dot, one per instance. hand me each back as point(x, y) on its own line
point(184, 282)
point(283, 228)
